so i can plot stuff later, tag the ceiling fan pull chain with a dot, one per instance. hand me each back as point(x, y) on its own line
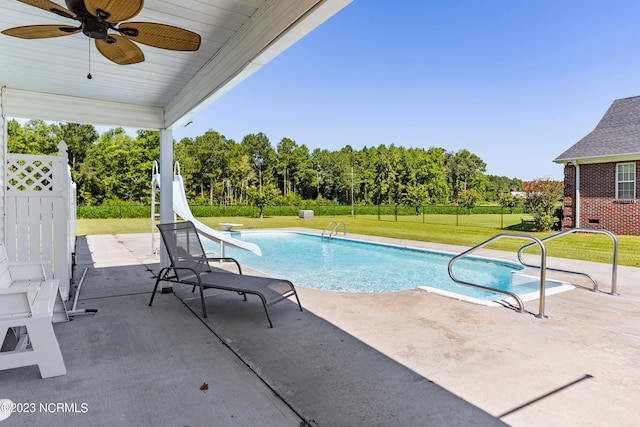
point(89, 76)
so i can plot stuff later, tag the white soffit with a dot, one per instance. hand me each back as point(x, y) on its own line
point(46, 106)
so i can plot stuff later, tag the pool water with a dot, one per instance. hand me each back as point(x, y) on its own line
point(356, 266)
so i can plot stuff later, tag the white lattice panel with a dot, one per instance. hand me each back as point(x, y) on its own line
point(29, 174)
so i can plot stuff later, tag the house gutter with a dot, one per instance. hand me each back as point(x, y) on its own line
point(577, 199)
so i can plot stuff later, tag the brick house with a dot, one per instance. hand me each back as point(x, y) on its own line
point(601, 173)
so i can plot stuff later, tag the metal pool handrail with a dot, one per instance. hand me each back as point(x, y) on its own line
point(327, 227)
point(334, 230)
point(543, 264)
point(614, 260)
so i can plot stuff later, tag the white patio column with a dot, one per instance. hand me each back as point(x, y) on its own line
point(3, 152)
point(166, 185)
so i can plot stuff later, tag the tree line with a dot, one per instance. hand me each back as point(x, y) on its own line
point(115, 167)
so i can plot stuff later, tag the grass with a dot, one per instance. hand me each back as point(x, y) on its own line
point(588, 247)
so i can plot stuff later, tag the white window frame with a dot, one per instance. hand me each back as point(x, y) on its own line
point(628, 176)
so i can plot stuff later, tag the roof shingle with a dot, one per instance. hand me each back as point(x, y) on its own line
point(617, 133)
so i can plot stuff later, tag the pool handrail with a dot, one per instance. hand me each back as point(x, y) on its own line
point(543, 264)
point(334, 230)
point(614, 260)
point(327, 227)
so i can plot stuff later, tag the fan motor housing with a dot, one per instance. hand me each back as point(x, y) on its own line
point(95, 29)
point(76, 6)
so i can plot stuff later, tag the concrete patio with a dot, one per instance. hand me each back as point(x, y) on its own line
point(407, 358)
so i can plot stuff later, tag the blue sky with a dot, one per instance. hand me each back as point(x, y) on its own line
point(515, 82)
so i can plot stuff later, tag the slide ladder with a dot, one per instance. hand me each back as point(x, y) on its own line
point(181, 209)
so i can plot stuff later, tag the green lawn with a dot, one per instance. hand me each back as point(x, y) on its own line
point(589, 247)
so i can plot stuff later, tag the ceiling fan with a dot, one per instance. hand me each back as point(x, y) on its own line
point(99, 20)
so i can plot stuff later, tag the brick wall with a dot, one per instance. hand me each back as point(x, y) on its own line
point(569, 195)
point(598, 207)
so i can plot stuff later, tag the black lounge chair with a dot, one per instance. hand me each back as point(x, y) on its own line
point(190, 265)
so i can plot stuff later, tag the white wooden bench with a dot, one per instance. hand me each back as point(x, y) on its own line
point(27, 301)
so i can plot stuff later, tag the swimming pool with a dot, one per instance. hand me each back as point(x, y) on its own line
point(343, 264)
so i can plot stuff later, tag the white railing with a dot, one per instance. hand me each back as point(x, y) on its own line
point(41, 212)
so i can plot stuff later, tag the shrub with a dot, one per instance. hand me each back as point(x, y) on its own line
point(509, 201)
point(469, 199)
point(541, 197)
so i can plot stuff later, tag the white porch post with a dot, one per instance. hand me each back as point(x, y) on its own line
point(166, 185)
point(3, 158)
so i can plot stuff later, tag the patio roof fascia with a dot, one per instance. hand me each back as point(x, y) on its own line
point(629, 157)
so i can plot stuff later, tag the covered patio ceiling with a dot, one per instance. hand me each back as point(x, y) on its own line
point(47, 78)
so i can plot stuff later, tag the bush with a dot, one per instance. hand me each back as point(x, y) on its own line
point(218, 211)
point(542, 196)
point(470, 199)
point(509, 201)
point(113, 211)
point(204, 211)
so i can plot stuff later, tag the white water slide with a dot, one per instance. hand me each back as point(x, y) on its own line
point(181, 208)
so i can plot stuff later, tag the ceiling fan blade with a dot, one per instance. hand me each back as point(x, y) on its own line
point(41, 31)
point(114, 10)
point(50, 7)
point(161, 35)
point(122, 51)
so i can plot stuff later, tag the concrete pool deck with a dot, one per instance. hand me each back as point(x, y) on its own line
point(407, 358)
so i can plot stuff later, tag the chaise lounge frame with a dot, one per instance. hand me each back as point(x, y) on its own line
point(190, 265)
